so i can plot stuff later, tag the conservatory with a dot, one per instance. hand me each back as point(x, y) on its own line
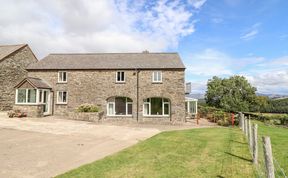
point(191, 106)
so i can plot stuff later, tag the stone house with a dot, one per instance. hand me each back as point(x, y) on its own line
point(125, 86)
point(13, 62)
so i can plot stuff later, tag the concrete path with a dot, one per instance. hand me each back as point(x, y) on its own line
point(32, 148)
point(46, 147)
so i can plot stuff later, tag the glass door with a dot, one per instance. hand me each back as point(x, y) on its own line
point(46, 102)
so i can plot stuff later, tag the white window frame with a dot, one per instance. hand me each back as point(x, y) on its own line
point(26, 99)
point(121, 80)
point(114, 108)
point(149, 105)
point(59, 77)
point(158, 76)
point(62, 98)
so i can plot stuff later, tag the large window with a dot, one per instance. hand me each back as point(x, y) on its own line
point(120, 76)
point(62, 97)
point(119, 106)
point(157, 77)
point(25, 96)
point(62, 77)
point(156, 107)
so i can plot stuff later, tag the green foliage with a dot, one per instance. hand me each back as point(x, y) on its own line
point(87, 108)
point(276, 106)
point(216, 115)
point(275, 119)
point(232, 94)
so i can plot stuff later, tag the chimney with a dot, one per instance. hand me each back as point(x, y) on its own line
point(188, 88)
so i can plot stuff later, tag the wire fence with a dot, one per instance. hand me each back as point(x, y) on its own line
point(260, 164)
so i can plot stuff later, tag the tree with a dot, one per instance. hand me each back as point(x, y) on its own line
point(232, 94)
point(260, 104)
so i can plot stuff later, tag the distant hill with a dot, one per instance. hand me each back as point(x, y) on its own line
point(197, 95)
point(273, 96)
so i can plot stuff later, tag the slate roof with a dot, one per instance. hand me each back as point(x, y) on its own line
point(110, 61)
point(35, 82)
point(6, 50)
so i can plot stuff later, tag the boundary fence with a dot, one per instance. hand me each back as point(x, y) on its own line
point(261, 150)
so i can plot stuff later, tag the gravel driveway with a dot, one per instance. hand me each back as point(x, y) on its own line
point(48, 147)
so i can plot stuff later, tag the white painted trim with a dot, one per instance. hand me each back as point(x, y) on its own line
point(59, 77)
point(57, 102)
point(120, 77)
point(114, 110)
point(48, 101)
point(26, 99)
point(157, 75)
point(150, 115)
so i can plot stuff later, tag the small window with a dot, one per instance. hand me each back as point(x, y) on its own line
point(62, 77)
point(157, 77)
point(61, 97)
point(120, 76)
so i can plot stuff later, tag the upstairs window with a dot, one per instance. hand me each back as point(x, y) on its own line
point(157, 77)
point(120, 76)
point(62, 77)
point(62, 97)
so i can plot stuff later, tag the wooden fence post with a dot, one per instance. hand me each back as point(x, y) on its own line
point(242, 120)
point(268, 157)
point(255, 144)
point(250, 134)
point(246, 127)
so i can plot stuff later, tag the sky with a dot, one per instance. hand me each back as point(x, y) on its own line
point(214, 38)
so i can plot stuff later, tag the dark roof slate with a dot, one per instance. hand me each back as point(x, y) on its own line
point(110, 61)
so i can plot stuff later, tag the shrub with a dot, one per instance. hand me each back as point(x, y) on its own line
point(87, 108)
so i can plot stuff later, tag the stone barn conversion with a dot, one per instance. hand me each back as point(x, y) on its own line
point(13, 62)
point(140, 87)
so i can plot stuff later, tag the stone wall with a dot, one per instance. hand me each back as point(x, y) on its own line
point(95, 87)
point(12, 71)
point(31, 110)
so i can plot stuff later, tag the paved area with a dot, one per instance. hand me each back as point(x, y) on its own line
point(49, 146)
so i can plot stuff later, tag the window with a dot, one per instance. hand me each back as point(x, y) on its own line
point(157, 77)
point(62, 97)
point(120, 76)
point(191, 106)
point(62, 77)
point(156, 107)
point(25, 96)
point(119, 106)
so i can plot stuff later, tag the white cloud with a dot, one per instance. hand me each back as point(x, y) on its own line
point(197, 3)
point(251, 32)
point(94, 26)
point(271, 82)
point(268, 75)
point(208, 63)
point(250, 35)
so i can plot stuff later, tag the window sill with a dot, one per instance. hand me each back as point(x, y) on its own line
point(27, 104)
point(156, 116)
point(61, 103)
point(61, 82)
point(120, 82)
point(119, 115)
point(157, 82)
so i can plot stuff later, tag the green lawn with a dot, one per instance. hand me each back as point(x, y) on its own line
point(211, 152)
point(279, 140)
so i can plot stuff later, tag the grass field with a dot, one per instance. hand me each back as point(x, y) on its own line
point(279, 140)
point(211, 152)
